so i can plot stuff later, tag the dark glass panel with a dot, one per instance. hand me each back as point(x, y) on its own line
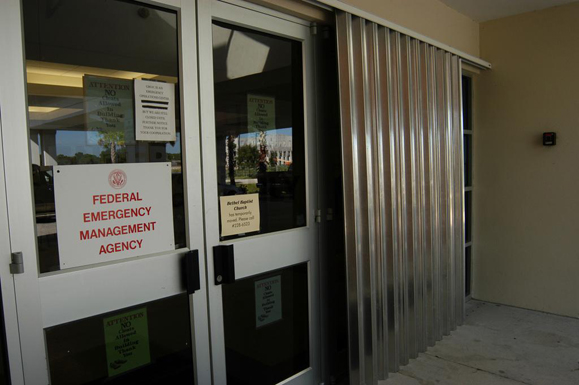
point(468, 216)
point(266, 326)
point(162, 354)
point(467, 102)
point(467, 160)
point(467, 266)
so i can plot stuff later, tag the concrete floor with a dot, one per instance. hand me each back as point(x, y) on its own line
point(500, 345)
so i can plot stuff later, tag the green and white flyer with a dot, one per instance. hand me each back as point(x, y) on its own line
point(127, 341)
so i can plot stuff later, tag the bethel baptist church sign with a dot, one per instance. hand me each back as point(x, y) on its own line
point(110, 212)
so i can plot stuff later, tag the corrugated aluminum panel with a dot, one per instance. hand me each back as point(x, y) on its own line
point(402, 167)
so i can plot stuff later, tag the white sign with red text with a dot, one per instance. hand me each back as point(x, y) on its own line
point(114, 211)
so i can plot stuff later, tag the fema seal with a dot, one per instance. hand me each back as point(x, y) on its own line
point(117, 179)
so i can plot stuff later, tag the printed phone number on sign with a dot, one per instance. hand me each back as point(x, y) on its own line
point(240, 224)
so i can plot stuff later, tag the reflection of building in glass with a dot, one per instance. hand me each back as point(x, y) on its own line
point(276, 142)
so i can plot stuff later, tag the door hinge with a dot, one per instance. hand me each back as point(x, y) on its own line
point(17, 265)
point(314, 28)
point(318, 216)
point(330, 214)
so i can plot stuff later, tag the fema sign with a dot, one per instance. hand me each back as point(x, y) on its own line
point(111, 212)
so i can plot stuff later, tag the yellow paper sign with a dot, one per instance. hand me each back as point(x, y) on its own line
point(239, 214)
point(127, 341)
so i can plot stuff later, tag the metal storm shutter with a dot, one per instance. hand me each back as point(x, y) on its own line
point(403, 181)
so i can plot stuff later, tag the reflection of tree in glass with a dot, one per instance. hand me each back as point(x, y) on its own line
point(247, 156)
point(231, 155)
point(110, 140)
point(262, 139)
point(273, 158)
point(121, 155)
point(262, 167)
point(78, 158)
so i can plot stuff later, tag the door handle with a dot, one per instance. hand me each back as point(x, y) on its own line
point(192, 271)
point(223, 264)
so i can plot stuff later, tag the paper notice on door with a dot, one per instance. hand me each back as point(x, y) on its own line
point(127, 341)
point(267, 301)
point(260, 113)
point(109, 110)
point(239, 214)
point(108, 212)
point(155, 111)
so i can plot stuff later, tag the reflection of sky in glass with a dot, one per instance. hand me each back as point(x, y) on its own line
point(69, 143)
point(176, 148)
point(280, 131)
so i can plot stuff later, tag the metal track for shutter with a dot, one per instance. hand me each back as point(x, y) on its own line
point(403, 179)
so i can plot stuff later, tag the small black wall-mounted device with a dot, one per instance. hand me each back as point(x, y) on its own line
point(549, 138)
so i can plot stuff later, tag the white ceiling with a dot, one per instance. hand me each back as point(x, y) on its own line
point(484, 10)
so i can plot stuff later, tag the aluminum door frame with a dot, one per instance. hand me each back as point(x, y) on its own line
point(32, 317)
point(264, 20)
point(7, 283)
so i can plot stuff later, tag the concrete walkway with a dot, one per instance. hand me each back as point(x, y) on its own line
point(500, 345)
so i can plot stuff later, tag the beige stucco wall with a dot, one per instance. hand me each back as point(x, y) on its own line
point(431, 18)
point(298, 8)
point(526, 198)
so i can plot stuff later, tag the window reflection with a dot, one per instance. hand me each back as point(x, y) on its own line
point(82, 59)
point(260, 123)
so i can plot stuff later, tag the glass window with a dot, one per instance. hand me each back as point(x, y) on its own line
point(467, 270)
point(77, 54)
point(145, 344)
point(266, 325)
point(468, 216)
point(260, 123)
point(467, 102)
point(467, 150)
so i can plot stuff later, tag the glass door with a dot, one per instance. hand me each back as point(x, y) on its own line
point(102, 159)
point(260, 195)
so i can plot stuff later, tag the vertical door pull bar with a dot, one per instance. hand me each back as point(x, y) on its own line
point(223, 264)
point(192, 271)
